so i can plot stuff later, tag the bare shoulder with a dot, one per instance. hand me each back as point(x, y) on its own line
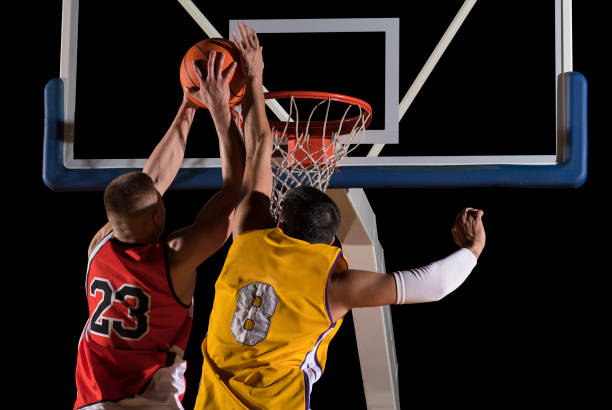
point(188, 247)
point(177, 246)
point(105, 230)
point(183, 259)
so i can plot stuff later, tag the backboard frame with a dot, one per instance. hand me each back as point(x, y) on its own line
point(568, 168)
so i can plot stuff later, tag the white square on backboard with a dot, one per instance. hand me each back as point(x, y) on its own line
point(390, 26)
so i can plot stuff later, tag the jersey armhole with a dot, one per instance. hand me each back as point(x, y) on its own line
point(92, 255)
point(169, 277)
point(336, 267)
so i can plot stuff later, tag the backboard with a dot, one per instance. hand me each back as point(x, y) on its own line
point(464, 93)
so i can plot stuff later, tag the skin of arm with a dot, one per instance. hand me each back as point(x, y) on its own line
point(253, 210)
point(165, 161)
point(357, 288)
point(190, 246)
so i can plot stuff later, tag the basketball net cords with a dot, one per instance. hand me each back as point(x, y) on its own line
point(318, 166)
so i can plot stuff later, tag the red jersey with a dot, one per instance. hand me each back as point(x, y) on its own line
point(131, 349)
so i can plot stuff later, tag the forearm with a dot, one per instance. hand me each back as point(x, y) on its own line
point(436, 280)
point(216, 216)
point(258, 141)
point(167, 157)
point(256, 126)
point(231, 149)
point(253, 210)
point(215, 219)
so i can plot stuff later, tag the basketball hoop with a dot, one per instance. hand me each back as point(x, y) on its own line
point(307, 152)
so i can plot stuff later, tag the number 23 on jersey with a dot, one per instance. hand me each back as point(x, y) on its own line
point(135, 298)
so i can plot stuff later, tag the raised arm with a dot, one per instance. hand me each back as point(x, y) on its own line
point(167, 157)
point(190, 246)
point(165, 161)
point(253, 210)
point(356, 288)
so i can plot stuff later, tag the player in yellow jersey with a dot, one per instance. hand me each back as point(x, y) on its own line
point(284, 289)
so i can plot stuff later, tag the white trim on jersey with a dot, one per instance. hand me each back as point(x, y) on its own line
point(310, 366)
point(163, 392)
point(91, 256)
point(93, 253)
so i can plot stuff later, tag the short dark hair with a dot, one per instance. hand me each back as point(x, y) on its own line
point(309, 214)
point(121, 194)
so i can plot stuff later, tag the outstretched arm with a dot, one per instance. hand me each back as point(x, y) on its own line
point(355, 288)
point(190, 246)
point(165, 161)
point(167, 157)
point(253, 210)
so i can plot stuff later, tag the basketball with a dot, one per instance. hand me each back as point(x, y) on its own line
point(199, 53)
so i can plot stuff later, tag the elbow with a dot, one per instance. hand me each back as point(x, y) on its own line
point(231, 194)
point(440, 291)
point(436, 296)
point(230, 226)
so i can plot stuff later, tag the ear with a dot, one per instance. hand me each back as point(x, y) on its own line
point(157, 216)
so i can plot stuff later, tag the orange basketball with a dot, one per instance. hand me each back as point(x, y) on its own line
point(199, 53)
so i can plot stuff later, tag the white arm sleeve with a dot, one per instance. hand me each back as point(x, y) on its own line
point(436, 280)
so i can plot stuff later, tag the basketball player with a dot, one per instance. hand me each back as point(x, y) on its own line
point(284, 290)
point(139, 284)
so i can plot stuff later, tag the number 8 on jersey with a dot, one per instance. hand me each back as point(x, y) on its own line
point(254, 308)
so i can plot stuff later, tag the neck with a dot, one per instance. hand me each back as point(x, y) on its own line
point(131, 237)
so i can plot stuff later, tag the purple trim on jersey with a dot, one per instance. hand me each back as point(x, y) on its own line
point(327, 286)
point(307, 391)
point(316, 363)
point(315, 349)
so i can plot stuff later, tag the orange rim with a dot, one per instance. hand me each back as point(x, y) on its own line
point(316, 128)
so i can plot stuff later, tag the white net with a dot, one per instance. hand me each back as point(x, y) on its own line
point(308, 153)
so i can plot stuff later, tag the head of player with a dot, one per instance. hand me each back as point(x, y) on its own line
point(310, 215)
point(135, 208)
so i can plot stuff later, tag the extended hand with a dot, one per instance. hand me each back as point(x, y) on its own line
point(468, 231)
point(214, 89)
point(251, 58)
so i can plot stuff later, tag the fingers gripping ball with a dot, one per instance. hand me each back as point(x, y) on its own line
point(199, 53)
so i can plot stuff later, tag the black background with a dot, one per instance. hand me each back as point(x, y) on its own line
point(527, 327)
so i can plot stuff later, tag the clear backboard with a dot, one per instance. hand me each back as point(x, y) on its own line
point(463, 93)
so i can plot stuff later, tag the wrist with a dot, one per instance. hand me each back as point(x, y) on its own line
point(187, 103)
point(255, 79)
point(186, 111)
point(220, 109)
point(221, 113)
point(475, 248)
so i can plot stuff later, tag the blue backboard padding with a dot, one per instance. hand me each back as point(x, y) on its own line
point(59, 178)
point(570, 173)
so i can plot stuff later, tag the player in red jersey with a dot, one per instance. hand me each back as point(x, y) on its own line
point(139, 284)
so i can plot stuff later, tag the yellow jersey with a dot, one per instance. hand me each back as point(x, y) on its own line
point(270, 324)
